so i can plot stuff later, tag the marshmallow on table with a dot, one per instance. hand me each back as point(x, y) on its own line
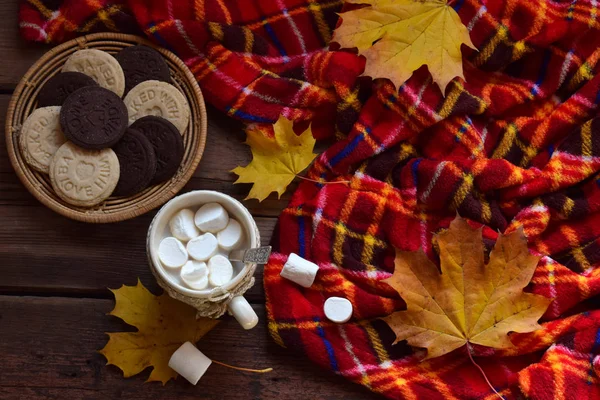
point(182, 225)
point(195, 274)
point(211, 217)
point(338, 309)
point(172, 253)
point(189, 362)
point(220, 270)
point(242, 311)
point(299, 270)
point(203, 247)
point(230, 237)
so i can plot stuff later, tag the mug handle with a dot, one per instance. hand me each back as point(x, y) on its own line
point(242, 311)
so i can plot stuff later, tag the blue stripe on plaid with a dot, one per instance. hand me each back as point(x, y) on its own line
point(594, 351)
point(415, 169)
point(323, 176)
point(328, 347)
point(597, 99)
point(346, 150)
point(458, 5)
point(241, 114)
point(543, 72)
point(301, 237)
point(392, 99)
point(158, 37)
point(570, 10)
point(596, 347)
point(463, 129)
point(273, 37)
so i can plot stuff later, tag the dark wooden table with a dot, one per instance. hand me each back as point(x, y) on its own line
point(54, 275)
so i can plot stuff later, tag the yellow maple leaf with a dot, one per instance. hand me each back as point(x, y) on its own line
point(276, 161)
point(397, 37)
point(163, 325)
point(469, 302)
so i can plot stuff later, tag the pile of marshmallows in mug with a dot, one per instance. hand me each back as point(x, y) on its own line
point(188, 361)
point(208, 265)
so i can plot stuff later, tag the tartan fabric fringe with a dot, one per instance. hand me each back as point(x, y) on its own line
point(517, 143)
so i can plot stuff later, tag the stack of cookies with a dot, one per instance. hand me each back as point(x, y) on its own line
point(107, 125)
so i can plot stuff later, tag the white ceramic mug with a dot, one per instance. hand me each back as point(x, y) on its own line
point(237, 305)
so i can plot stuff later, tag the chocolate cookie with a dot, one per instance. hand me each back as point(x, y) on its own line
point(56, 89)
point(93, 118)
point(167, 143)
point(137, 161)
point(142, 63)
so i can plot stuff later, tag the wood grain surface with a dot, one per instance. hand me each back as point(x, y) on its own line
point(54, 275)
point(49, 351)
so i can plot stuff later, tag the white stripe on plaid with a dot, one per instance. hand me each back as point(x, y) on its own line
point(41, 32)
point(548, 263)
point(321, 200)
point(417, 99)
point(293, 26)
point(186, 38)
point(482, 10)
point(359, 366)
point(377, 275)
point(565, 68)
point(481, 147)
point(436, 175)
point(287, 111)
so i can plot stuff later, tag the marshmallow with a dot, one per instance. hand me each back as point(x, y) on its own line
point(203, 247)
point(230, 237)
point(172, 253)
point(242, 311)
point(220, 270)
point(189, 362)
point(211, 217)
point(299, 270)
point(195, 274)
point(182, 225)
point(338, 309)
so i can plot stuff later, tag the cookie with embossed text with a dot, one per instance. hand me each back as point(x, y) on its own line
point(137, 161)
point(93, 118)
point(56, 89)
point(100, 66)
point(167, 143)
point(83, 177)
point(142, 63)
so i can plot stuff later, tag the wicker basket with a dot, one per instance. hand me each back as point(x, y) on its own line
point(114, 209)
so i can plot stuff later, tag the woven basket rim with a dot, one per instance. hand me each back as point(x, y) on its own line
point(131, 211)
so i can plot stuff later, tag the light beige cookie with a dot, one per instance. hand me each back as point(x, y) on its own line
point(159, 99)
point(100, 66)
point(84, 177)
point(40, 137)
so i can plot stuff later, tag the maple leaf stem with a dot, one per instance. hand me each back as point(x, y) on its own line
point(257, 371)
point(482, 372)
point(320, 182)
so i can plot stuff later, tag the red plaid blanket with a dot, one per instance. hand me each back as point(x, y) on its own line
point(517, 143)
